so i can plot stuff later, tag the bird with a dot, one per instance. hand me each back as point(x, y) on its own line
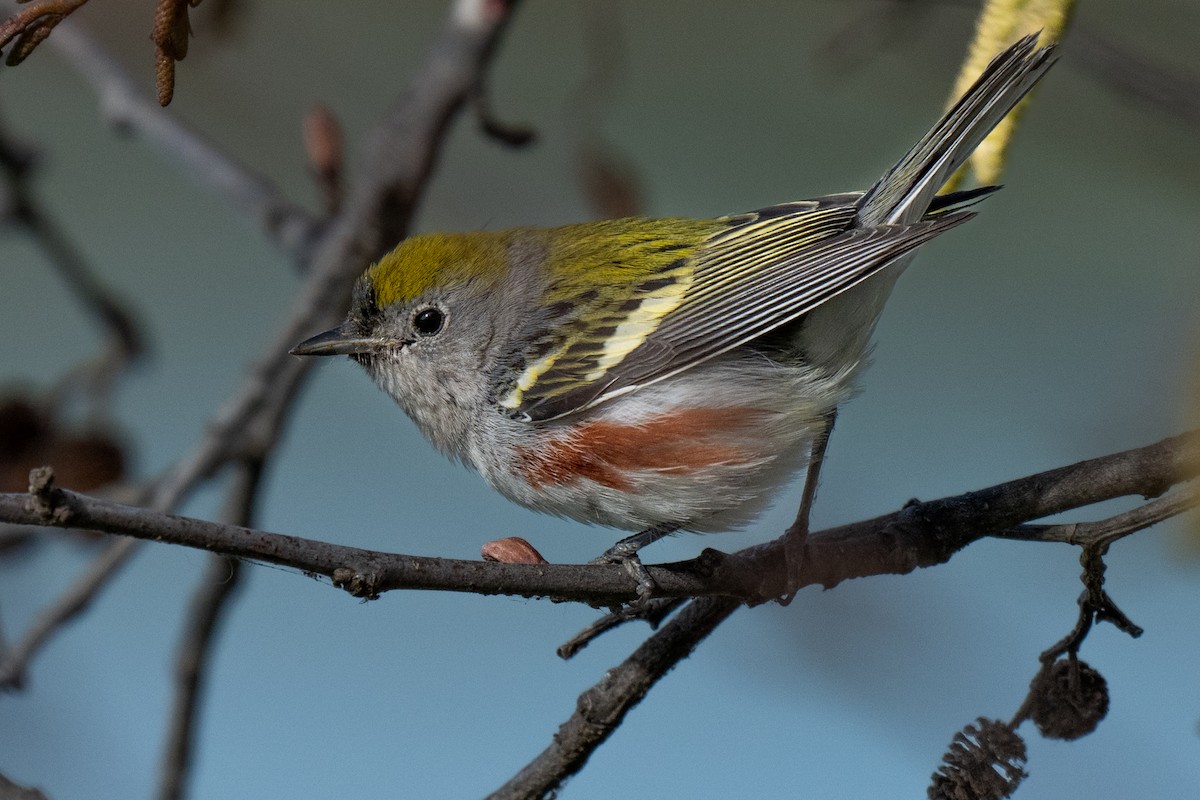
point(660, 374)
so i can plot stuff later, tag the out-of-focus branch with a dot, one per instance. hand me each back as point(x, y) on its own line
point(68, 605)
point(1128, 72)
point(127, 109)
point(919, 535)
point(21, 208)
point(211, 600)
point(400, 156)
point(600, 709)
point(1122, 69)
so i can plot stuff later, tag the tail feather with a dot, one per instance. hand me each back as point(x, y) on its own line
point(906, 192)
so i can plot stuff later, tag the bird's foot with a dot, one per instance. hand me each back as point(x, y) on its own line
point(625, 553)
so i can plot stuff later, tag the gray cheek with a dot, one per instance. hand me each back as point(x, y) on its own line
point(451, 388)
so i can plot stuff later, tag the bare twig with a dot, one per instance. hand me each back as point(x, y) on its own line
point(400, 156)
point(128, 110)
point(69, 605)
point(32, 25)
point(378, 207)
point(920, 534)
point(948, 524)
point(653, 612)
point(601, 708)
point(23, 209)
point(1094, 606)
point(399, 159)
point(1106, 531)
point(97, 376)
point(217, 587)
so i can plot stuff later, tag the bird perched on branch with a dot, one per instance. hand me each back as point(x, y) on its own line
point(659, 374)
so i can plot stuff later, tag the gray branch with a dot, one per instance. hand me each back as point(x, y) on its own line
point(921, 534)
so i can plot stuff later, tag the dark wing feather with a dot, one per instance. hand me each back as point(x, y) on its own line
point(760, 272)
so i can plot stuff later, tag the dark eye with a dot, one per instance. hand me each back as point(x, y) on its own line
point(428, 321)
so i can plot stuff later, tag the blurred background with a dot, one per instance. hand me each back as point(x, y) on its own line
point(1059, 325)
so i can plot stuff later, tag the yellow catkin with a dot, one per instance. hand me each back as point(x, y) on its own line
point(1000, 23)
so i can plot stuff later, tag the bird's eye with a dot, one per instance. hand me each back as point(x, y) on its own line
point(428, 321)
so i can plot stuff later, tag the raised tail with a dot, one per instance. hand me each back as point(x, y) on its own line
point(906, 191)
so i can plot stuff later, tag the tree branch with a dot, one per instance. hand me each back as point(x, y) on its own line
point(128, 110)
point(70, 604)
point(216, 589)
point(918, 535)
point(1105, 532)
point(601, 708)
point(403, 150)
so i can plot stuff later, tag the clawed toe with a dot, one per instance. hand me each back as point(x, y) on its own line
point(628, 558)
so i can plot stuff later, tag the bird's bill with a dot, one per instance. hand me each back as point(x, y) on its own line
point(335, 342)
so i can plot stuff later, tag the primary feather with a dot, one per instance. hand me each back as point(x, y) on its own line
point(752, 274)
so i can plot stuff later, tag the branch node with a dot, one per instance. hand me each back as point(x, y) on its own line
point(653, 612)
point(48, 502)
point(1095, 600)
point(358, 584)
point(507, 133)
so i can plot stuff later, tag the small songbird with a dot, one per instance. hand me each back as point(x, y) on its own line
point(659, 374)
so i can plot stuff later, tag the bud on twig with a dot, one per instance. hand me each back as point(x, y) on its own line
point(511, 550)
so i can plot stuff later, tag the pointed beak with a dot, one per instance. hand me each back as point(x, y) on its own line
point(336, 342)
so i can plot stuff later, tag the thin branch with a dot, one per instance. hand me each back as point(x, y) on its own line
point(400, 156)
point(70, 604)
point(600, 709)
point(1106, 531)
point(16, 163)
point(399, 159)
point(653, 612)
point(210, 602)
point(127, 109)
point(20, 206)
point(217, 586)
point(920, 534)
point(943, 527)
point(31, 25)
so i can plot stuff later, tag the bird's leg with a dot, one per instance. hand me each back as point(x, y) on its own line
point(797, 535)
point(625, 553)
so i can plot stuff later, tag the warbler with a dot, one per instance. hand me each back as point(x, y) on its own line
point(659, 374)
